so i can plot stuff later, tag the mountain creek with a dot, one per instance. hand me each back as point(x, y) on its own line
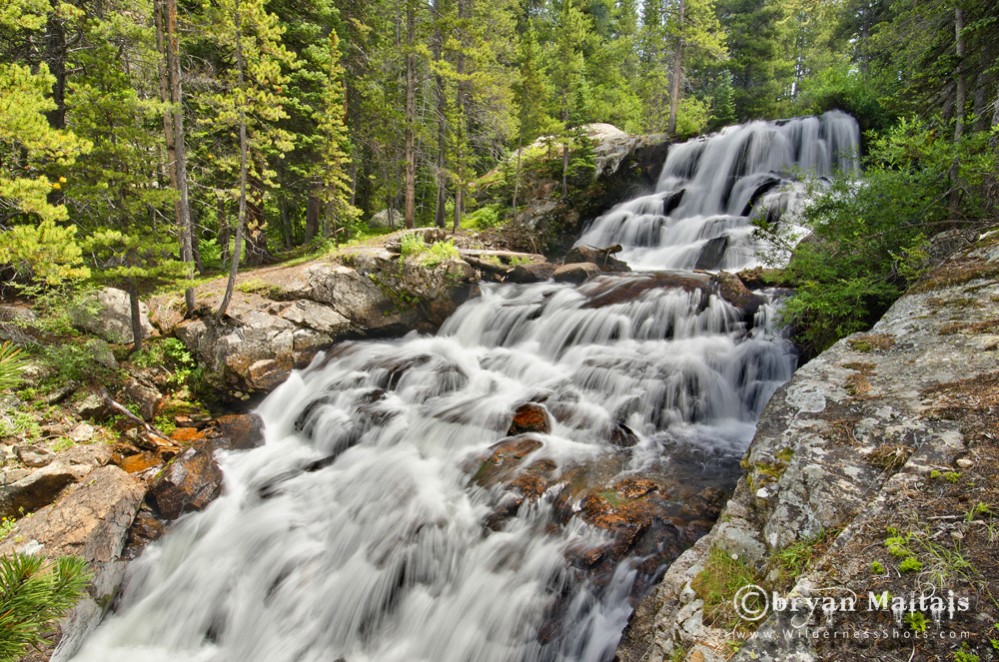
point(501, 458)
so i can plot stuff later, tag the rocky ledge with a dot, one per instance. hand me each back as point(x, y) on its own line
point(281, 317)
point(874, 469)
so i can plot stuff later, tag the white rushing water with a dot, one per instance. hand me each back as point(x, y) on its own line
point(358, 531)
point(711, 189)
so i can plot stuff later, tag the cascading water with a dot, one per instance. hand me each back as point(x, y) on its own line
point(710, 190)
point(382, 522)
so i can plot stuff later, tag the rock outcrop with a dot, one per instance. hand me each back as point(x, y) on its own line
point(107, 314)
point(885, 434)
point(90, 522)
point(281, 317)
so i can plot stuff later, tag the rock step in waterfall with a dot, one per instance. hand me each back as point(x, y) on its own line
point(503, 490)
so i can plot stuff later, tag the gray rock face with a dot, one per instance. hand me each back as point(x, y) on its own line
point(107, 314)
point(819, 461)
point(385, 219)
point(90, 522)
point(307, 308)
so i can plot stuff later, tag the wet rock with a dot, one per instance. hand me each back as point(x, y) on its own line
point(734, 291)
point(146, 528)
point(576, 273)
point(622, 436)
point(602, 257)
point(239, 431)
point(107, 314)
point(504, 459)
point(610, 291)
point(530, 417)
point(190, 482)
point(712, 253)
point(91, 522)
point(536, 272)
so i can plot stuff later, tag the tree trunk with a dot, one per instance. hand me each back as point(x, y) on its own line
point(135, 315)
point(516, 183)
point(255, 251)
point(313, 208)
point(410, 116)
point(243, 172)
point(674, 101)
point(183, 205)
point(565, 153)
point(959, 110)
point(459, 157)
point(440, 211)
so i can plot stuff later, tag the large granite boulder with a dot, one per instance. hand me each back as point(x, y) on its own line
point(107, 314)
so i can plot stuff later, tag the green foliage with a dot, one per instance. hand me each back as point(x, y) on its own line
point(841, 87)
point(12, 364)
point(483, 218)
point(963, 654)
point(794, 559)
point(171, 355)
point(869, 238)
point(692, 117)
point(33, 596)
point(7, 525)
point(20, 424)
point(910, 564)
point(77, 362)
point(917, 621)
point(411, 244)
point(723, 575)
point(877, 568)
point(438, 253)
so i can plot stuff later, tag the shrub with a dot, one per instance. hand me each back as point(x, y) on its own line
point(870, 238)
point(439, 253)
point(33, 596)
point(411, 244)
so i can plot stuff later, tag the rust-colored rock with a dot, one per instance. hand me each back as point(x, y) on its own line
point(138, 463)
point(187, 435)
point(243, 431)
point(189, 483)
point(530, 417)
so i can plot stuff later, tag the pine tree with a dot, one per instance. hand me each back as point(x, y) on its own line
point(337, 189)
point(36, 243)
point(249, 104)
point(114, 192)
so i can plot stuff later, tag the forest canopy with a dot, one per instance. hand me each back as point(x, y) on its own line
point(152, 140)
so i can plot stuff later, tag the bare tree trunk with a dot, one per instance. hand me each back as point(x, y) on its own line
point(565, 153)
point(313, 209)
point(183, 206)
point(959, 109)
point(440, 212)
point(410, 115)
point(243, 172)
point(459, 160)
point(135, 315)
point(516, 183)
point(674, 101)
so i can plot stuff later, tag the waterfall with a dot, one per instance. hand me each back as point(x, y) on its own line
point(381, 520)
point(711, 189)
